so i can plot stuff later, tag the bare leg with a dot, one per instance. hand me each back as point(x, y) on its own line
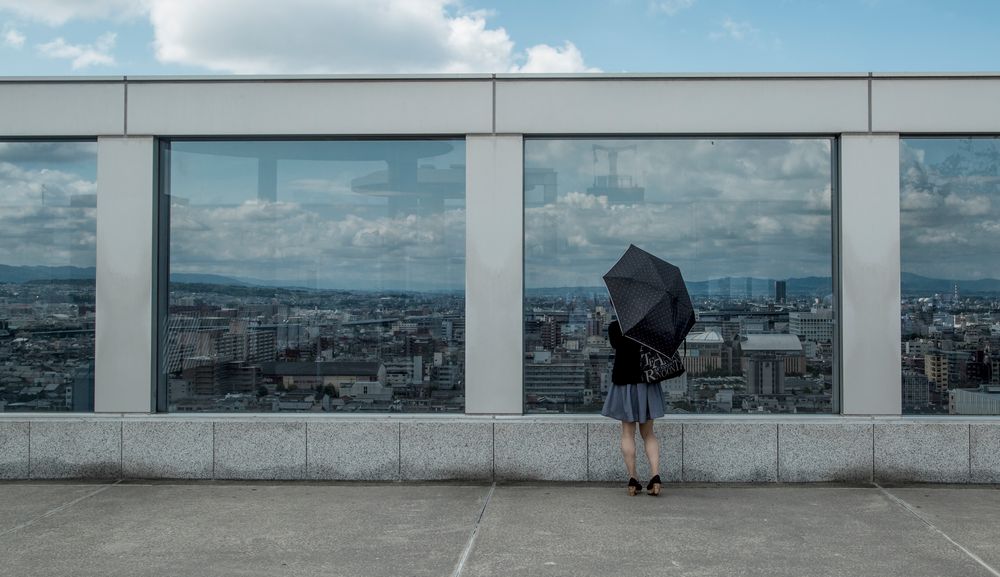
point(652, 447)
point(628, 446)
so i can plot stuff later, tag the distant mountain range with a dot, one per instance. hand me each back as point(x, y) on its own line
point(916, 284)
point(911, 284)
point(297, 285)
point(195, 278)
point(23, 274)
point(809, 286)
point(805, 286)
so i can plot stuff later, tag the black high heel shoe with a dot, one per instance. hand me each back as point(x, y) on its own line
point(653, 488)
point(634, 487)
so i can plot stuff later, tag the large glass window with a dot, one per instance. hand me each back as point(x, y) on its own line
point(749, 223)
point(317, 275)
point(48, 254)
point(949, 242)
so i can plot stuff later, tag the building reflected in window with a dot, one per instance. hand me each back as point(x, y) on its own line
point(314, 276)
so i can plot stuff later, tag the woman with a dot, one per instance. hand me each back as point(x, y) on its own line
point(631, 401)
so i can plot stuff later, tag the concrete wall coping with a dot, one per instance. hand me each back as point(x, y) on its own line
point(886, 75)
point(546, 419)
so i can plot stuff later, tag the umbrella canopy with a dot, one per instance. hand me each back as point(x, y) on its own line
point(652, 302)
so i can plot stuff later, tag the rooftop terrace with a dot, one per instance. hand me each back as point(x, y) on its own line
point(577, 529)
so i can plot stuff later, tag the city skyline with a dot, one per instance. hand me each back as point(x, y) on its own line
point(43, 273)
point(247, 349)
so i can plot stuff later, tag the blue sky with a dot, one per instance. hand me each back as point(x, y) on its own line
point(113, 37)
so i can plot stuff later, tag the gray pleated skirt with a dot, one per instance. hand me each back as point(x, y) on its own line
point(639, 402)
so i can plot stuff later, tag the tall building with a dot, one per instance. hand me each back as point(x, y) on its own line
point(594, 326)
point(204, 374)
point(780, 291)
point(238, 377)
point(815, 325)
point(706, 353)
point(946, 369)
point(551, 334)
point(766, 360)
point(765, 374)
point(83, 389)
point(555, 379)
point(916, 390)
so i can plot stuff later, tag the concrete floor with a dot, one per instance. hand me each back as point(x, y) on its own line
point(580, 530)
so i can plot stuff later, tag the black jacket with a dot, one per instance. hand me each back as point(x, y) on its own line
point(626, 369)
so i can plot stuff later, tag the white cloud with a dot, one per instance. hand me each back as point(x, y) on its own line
point(310, 36)
point(343, 36)
point(990, 227)
point(972, 206)
point(949, 224)
point(582, 200)
point(807, 226)
point(803, 162)
point(282, 239)
point(45, 186)
point(911, 156)
point(48, 235)
point(819, 199)
point(47, 216)
point(764, 226)
point(13, 38)
point(915, 199)
point(725, 207)
point(670, 7)
point(58, 12)
point(82, 55)
point(734, 30)
point(942, 238)
point(576, 241)
point(474, 48)
point(545, 58)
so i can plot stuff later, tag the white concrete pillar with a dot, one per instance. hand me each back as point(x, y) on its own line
point(494, 275)
point(126, 191)
point(869, 258)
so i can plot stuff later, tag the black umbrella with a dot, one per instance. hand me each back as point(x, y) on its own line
point(652, 302)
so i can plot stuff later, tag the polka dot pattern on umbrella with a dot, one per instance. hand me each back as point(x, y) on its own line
point(651, 300)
